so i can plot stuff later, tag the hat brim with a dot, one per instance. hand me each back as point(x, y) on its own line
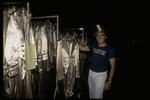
point(98, 32)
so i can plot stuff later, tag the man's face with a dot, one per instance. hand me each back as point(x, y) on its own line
point(100, 37)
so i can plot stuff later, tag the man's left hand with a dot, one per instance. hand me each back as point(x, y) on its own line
point(107, 86)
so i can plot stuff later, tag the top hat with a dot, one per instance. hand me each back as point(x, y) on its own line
point(98, 29)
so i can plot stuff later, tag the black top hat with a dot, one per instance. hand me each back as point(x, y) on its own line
point(98, 29)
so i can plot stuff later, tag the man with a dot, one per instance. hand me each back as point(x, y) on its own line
point(102, 54)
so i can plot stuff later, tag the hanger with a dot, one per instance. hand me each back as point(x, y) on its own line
point(68, 35)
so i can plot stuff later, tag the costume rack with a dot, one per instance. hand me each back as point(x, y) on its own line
point(80, 29)
point(57, 18)
point(30, 18)
point(82, 60)
point(82, 64)
point(14, 6)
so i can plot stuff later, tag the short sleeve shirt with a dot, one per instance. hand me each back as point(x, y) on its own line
point(100, 57)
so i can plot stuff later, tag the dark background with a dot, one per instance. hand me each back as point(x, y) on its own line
point(123, 21)
point(124, 24)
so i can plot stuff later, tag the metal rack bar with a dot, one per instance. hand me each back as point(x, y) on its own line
point(75, 29)
point(54, 16)
point(82, 29)
point(8, 3)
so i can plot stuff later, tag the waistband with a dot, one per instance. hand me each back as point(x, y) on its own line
point(99, 71)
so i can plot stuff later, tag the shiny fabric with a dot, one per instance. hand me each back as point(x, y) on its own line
point(54, 41)
point(50, 45)
point(67, 67)
point(46, 42)
point(20, 54)
point(5, 21)
point(19, 82)
point(13, 51)
point(26, 86)
point(14, 47)
point(42, 45)
point(36, 39)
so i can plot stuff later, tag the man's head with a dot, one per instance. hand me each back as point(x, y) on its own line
point(100, 37)
point(100, 34)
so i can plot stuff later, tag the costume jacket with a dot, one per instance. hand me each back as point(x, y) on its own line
point(41, 44)
point(14, 47)
point(67, 56)
point(67, 66)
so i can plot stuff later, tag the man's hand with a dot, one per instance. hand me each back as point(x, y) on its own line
point(112, 70)
point(84, 48)
point(107, 86)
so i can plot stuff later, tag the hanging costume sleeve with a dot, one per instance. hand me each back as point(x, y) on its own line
point(59, 64)
point(77, 61)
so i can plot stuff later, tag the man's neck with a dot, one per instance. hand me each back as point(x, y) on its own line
point(102, 44)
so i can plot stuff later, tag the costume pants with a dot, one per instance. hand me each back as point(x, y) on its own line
point(96, 82)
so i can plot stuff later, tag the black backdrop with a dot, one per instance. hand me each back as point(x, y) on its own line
point(124, 23)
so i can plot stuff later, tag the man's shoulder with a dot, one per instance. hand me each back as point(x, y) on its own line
point(110, 48)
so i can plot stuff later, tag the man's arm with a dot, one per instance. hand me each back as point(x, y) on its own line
point(84, 48)
point(112, 70)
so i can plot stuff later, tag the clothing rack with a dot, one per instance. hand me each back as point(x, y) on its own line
point(73, 29)
point(57, 18)
point(82, 29)
point(54, 16)
point(27, 8)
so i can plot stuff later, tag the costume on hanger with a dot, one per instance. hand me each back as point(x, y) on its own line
point(42, 47)
point(67, 66)
point(14, 47)
point(20, 54)
point(42, 44)
point(14, 50)
point(50, 44)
